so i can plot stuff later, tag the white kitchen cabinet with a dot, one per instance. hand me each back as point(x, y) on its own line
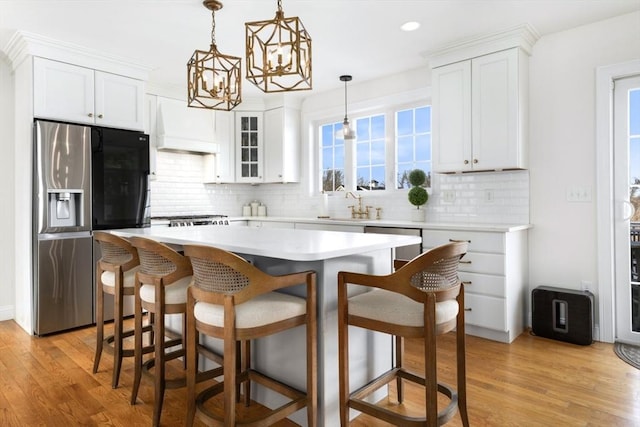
point(479, 111)
point(269, 224)
point(220, 167)
point(249, 147)
point(77, 94)
point(494, 271)
point(282, 145)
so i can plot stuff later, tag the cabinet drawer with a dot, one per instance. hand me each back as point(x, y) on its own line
point(479, 241)
point(485, 311)
point(474, 262)
point(484, 284)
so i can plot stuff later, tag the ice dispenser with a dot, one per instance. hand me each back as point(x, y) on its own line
point(65, 208)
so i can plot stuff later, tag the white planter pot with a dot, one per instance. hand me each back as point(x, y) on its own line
point(418, 215)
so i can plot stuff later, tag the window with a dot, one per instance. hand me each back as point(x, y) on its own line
point(413, 144)
point(382, 152)
point(332, 146)
point(370, 153)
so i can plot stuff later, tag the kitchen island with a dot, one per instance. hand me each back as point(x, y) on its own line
point(281, 251)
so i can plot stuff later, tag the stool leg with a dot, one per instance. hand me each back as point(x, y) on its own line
point(191, 338)
point(312, 356)
point(244, 357)
point(461, 361)
point(159, 369)
point(430, 366)
point(137, 352)
point(117, 330)
point(399, 351)
point(99, 323)
point(343, 353)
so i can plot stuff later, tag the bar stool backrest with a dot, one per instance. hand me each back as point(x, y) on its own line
point(117, 250)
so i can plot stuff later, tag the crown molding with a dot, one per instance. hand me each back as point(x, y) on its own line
point(522, 36)
point(24, 44)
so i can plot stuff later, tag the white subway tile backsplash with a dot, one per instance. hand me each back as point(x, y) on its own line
point(178, 190)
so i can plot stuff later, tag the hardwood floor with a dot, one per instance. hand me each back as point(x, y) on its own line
point(532, 382)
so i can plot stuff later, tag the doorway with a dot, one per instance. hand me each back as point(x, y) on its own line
point(626, 206)
point(610, 203)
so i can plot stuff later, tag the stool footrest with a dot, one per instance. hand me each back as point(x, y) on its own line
point(357, 402)
point(299, 400)
point(110, 339)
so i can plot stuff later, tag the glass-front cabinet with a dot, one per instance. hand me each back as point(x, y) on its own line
point(249, 147)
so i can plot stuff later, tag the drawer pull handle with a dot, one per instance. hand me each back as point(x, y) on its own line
point(468, 309)
point(465, 262)
point(466, 283)
point(456, 241)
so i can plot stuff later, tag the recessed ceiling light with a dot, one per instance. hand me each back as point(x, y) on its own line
point(410, 26)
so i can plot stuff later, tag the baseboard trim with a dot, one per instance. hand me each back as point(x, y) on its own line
point(7, 312)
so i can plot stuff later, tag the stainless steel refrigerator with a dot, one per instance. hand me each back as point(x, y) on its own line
point(62, 243)
point(85, 178)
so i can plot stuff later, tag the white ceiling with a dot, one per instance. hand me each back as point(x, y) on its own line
point(358, 37)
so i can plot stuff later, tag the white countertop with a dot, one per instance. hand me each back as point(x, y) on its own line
point(289, 244)
point(392, 223)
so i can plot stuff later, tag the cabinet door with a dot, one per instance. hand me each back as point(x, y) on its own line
point(225, 170)
point(281, 145)
point(249, 148)
point(119, 101)
point(62, 91)
point(495, 111)
point(452, 117)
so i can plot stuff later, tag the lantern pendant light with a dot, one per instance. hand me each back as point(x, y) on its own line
point(278, 54)
point(214, 79)
point(347, 131)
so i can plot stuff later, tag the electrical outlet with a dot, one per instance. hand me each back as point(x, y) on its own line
point(448, 196)
point(489, 197)
point(579, 194)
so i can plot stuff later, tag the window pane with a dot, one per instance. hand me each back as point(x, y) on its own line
point(377, 153)
point(339, 157)
point(423, 147)
point(377, 178)
point(362, 129)
point(377, 127)
point(634, 112)
point(405, 149)
point(362, 154)
point(327, 135)
point(404, 123)
point(423, 119)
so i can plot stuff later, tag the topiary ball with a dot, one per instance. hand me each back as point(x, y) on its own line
point(417, 177)
point(418, 196)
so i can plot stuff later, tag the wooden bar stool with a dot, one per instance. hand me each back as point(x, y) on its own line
point(232, 300)
point(422, 298)
point(160, 288)
point(115, 275)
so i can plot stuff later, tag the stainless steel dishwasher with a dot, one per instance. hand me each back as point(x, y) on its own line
point(402, 252)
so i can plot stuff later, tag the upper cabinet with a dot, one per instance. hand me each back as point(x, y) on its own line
point(282, 145)
point(249, 147)
point(77, 94)
point(479, 111)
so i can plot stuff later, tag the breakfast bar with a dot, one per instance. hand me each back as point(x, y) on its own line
point(281, 251)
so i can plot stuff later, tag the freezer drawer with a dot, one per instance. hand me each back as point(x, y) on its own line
point(63, 284)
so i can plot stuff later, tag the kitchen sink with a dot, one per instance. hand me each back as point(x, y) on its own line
point(348, 219)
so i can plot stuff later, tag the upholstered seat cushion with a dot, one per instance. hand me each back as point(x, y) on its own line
point(259, 311)
point(398, 309)
point(175, 293)
point(128, 278)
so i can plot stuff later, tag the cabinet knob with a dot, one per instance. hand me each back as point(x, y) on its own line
point(99, 116)
point(475, 161)
point(457, 240)
point(90, 114)
point(466, 162)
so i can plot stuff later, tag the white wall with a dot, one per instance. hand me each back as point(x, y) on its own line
point(6, 192)
point(562, 244)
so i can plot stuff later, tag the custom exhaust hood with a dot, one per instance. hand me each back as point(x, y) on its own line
point(181, 128)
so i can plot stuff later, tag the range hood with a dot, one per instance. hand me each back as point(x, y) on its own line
point(181, 128)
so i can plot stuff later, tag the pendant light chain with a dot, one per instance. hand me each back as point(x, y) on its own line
point(213, 27)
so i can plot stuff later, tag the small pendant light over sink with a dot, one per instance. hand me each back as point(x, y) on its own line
point(214, 79)
point(347, 131)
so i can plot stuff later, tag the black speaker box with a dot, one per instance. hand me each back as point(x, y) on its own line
point(562, 314)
